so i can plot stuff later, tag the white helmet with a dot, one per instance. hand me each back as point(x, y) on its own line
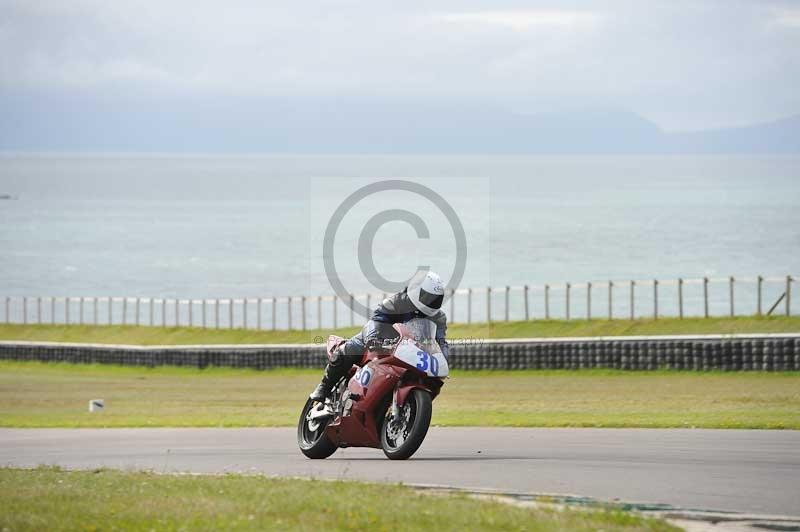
point(426, 292)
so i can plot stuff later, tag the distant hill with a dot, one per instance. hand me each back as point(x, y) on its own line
point(83, 122)
point(780, 136)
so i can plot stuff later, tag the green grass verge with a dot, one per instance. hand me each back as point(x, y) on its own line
point(520, 329)
point(52, 499)
point(36, 394)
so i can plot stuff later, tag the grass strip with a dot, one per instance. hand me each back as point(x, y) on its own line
point(53, 499)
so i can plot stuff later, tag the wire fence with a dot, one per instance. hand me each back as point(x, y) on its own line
point(654, 298)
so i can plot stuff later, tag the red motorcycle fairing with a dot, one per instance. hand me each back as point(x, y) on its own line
point(371, 387)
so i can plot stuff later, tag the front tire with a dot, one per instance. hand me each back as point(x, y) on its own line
point(401, 438)
point(313, 443)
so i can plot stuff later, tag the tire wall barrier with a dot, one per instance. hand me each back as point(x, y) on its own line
point(773, 353)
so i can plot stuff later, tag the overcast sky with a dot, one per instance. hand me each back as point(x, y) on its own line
point(683, 64)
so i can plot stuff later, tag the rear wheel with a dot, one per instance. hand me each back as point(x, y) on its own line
point(401, 437)
point(311, 436)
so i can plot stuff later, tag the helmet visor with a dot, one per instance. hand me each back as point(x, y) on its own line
point(430, 300)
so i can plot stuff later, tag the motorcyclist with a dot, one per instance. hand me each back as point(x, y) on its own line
point(422, 297)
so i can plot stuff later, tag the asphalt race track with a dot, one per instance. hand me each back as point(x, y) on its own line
point(737, 470)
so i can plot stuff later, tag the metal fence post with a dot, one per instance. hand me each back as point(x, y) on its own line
point(216, 313)
point(680, 298)
point(610, 300)
point(94, 311)
point(191, 312)
point(25, 310)
point(508, 291)
point(274, 312)
point(588, 300)
point(164, 312)
point(527, 313)
point(488, 304)
point(469, 305)
point(8, 309)
point(137, 311)
point(655, 299)
point(289, 311)
point(633, 287)
point(730, 288)
point(205, 304)
point(244, 313)
point(124, 311)
point(110, 310)
point(177, 312)
point(230, 313)
point(705, 297)
point(759, 282)
point(52, 311)
point(39, 310)
point(567, 295)
point(303, 311)
point(80, 311)
point(788, 295)
point(151, 310)
point(547, 301)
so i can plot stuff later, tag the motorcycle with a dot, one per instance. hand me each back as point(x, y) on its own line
point(385, 401)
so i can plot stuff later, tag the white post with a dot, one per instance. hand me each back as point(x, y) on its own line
point(244, 313)
point(191, 313)
point(25, 310)
point(788, 295)
point(274, 312)
point(230, 313)
point(567, 296)
point(204, 313)
point(508, 291)
point(488, 304)
point(216, 313)
point(52, 311)
point(655, 299)
point(610, 300)
point(633, 285)
point(124, 311)
point(39, 310)
point(527, 310)
point(705, 297)
point(137, 311)
point(258, 314)
point(760, 282)
point(730, 288)
point(81, 311)
point(588, 300)
point(680, 298)
point(469, 305)
point(164, 312)
point(303, 312)
point(94, 310)
point(547, 301)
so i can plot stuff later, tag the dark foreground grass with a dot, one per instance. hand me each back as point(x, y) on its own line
point(36, 394)
point(52, 499)
point(133, 335)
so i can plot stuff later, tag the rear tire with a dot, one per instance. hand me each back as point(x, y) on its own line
point(399, 443)
point(313, 444)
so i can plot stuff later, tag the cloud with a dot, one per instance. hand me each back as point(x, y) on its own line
point(522, 20)
point(685, 64)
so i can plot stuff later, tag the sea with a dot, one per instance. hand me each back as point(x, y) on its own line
point(252, 226)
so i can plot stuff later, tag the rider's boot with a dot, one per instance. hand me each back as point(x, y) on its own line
point(333, 372)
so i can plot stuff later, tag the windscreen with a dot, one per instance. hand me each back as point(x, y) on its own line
point(424, 332)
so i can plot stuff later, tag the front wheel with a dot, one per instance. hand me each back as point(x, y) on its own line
point(401, 437)
point(311, 436)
